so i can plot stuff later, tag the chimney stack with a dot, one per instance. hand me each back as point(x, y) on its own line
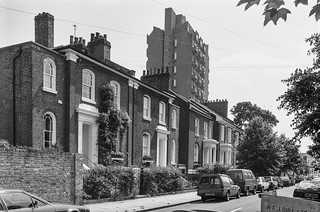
point(44, 29)
point(99, 47)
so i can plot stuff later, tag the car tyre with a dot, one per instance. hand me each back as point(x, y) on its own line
point(254, 191)
point(203, 199)
point(262, 190)
point(227, 196)
point(238, 195)
point(246, 192)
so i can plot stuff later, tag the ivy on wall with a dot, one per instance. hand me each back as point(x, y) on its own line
point(111, 121)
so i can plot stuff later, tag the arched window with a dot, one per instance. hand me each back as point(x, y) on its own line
point(173, 151)
point(162, 113)
point(116, 89)
point(49, 75)
point(196, 153)
point(49, 132)
point(174, 119)
point(146, 107)
point(146, 144)
point(88, 86)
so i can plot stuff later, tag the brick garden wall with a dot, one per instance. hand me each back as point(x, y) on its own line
point(55, 176)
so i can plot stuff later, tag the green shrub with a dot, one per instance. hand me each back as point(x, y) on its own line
point(159, 180)
point(110, 182)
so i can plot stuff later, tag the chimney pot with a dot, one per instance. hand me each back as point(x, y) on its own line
point(92, 37)
point(97, 35)
point(76, 40)
point(105, 36)
point(71, 39)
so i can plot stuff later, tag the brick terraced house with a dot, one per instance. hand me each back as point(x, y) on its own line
point(50, 96)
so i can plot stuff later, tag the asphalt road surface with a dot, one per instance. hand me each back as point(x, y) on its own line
point(251, 203)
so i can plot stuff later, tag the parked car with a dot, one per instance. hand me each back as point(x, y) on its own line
point(307, 189)
point(245, 179)
point(286, 181)
point(273, 184)
point(280, 182)
point(217, 185)
point(19, 200)
point(299, 178)
point(262, 184)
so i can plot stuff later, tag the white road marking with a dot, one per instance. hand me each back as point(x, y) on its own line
point(236, 209)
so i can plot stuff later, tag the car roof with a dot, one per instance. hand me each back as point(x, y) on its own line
point(3, 191)
point(231, 170)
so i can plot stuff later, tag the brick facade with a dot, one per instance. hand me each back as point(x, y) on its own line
point(55, 176)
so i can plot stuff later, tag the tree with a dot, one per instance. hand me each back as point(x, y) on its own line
point(291, 160)
point(244, 112)
point(274, 9)
point(302, 97)
point(259, 149)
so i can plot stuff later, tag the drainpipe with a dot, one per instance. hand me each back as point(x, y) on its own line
point(18, 54)
point(132, 150)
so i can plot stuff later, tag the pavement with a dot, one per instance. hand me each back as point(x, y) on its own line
point(145, 203)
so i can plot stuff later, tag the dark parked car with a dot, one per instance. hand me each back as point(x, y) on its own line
point(22, 201)
point(307, 189)
point(245, 179)
point(286, 181)
point(280, 182)
point(217, 185)
point(273, 184)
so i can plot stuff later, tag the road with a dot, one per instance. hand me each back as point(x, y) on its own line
point(249, 203)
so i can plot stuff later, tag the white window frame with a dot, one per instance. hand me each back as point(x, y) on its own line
point(196, 126)
point(174, 83)
point(196, 153)
point(147, 107)
point(174, 69)
point(174, 119)
point(173, 151)
point(162, 113)
point(51, 131)
point(90, 99)
point(210, 129)
point(205, 129)
point(145, 144)
point(117, 93)
point(49, 77)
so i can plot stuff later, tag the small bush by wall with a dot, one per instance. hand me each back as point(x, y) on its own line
point(114, 182)
point(157, 180)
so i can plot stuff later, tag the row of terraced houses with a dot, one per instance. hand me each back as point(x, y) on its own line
point(50, 96)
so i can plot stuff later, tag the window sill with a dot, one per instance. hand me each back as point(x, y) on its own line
point(49, 90)
point(146, 118)
point(88, 100)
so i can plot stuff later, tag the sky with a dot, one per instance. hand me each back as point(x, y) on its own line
point(247, 60)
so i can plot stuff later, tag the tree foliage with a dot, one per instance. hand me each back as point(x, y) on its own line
point(259, 149)
point(275, 9)
point(302, 97)
point(244, 112)
point(291, 160)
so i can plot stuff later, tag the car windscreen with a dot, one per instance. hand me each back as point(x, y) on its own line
point(235, 175)
point(214, 180)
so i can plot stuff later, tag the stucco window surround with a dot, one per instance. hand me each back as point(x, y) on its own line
point(162, 113)
point(205, 130)
point(49, 76)
point(88, 86)
point(49, 132)
point(146, 144)
point(162, 144)
point(117, 93)
point(87, 133)
point(222, 132)
point(147, 108)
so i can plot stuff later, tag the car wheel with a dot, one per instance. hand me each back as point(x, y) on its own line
point(203, 198)
point(254, 191)
point(246, 192)
point(227, 197)
point(262, 190)
point(238, 195)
